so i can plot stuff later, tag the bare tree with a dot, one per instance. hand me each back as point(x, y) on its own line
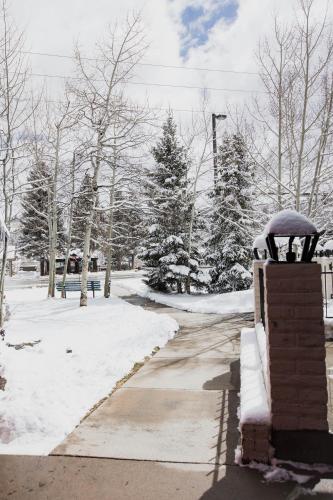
point(60, 121)
point(14, 113)
point(74, 166)
point(293, 125)
point(99, 94)
point(198, 142)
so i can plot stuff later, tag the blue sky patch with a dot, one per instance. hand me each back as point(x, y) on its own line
point(197, 22)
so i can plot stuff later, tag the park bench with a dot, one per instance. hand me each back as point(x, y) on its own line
point(75, 286)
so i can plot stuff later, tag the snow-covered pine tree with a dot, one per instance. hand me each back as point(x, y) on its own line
point(230, 239)
point(169, 204)
point(128, 227)
point(81, 211)
point(34, 235)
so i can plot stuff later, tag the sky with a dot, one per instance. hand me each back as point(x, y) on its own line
point(218, 36)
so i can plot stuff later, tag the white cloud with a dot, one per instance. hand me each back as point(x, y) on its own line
point(53, 26)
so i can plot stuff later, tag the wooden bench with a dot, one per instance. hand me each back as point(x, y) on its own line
point(75, 286)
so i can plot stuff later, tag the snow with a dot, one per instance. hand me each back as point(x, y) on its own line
point(224, 303)
point(254, 407)
point(328, 245)
point(3, 228)
point(238, 268)
point(289, 223)
point(82, 354)
point(179, 269)
point(260, 242)
point(263, 349)
point(280, 470)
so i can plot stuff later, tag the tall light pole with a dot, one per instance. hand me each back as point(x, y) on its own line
point(214, 118)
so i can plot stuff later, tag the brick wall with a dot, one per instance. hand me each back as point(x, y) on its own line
point(295, 329)
point(255, 443)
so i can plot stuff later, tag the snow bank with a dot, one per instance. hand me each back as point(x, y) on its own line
point(224, 303)
point(254, 406)
point(262, 346)
point(82, 354)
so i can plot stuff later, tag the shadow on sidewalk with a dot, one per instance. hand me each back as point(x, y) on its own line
point(231, 482)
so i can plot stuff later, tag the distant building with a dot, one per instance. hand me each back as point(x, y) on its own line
point(74, 264)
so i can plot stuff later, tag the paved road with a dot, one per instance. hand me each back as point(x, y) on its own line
point(168, 433)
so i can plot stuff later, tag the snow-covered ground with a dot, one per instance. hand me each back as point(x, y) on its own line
point(82, 354)
point(225, 303)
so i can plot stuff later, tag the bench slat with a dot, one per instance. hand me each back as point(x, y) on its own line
point(75, 286)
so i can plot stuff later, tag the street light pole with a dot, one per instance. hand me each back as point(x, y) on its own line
point(214, 118)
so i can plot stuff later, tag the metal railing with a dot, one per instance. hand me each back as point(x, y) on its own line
point(327, 287)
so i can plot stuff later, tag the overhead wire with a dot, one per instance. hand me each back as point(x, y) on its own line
point(151, 84)
point(155, 65)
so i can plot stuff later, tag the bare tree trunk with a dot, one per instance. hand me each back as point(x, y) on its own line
point(107, 282)
point(280, 118)
point(2, 281)
point(50, 292)
point(53, 219)
point(70, 225)
point(189, 248)
point(87, 236)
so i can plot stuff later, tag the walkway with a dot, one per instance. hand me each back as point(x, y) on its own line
point(169, 433)
point(178, 406)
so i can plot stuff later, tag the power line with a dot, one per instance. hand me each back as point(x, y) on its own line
point(148, 84)
point(189, 68)
point(149, 108)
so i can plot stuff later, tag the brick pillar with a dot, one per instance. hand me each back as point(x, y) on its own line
point(257, 264)
point(295, 329)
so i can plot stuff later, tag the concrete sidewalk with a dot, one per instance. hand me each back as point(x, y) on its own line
point(180, 407)
point(169, 433)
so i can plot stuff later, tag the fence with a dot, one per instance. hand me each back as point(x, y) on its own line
point(327, 278)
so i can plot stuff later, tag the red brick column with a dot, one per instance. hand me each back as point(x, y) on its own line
point(255, 439)
point(296, 346)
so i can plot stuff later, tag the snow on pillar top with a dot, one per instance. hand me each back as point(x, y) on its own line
point(260, 242)
point(290, 223)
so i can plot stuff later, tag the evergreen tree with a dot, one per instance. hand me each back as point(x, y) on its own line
point(81, 212)
point(34, 236)
point(129, 227)
point(230, 240)
point(166, 253)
